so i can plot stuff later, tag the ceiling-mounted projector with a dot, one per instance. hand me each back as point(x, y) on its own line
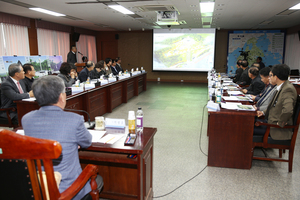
point(167, 18)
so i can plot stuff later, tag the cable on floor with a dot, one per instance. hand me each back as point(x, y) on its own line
point(198, 172)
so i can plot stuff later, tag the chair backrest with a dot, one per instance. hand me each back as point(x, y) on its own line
point(296, 116)
point(35, 151)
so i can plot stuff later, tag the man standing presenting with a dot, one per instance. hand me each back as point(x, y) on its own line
point(281, 108)
point(71, 57)
point(53, 123)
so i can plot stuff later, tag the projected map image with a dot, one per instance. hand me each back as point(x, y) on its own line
point(183, 51)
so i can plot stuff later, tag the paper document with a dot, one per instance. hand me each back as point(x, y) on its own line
point(213, 106)
point(237, 106)
point(96, 135)
point(236, 98)
point(235, 93)
point(21, 132)
point(111, 138)
point(29, 99)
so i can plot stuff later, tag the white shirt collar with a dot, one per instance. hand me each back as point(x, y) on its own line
point(14, 80)
point(279, 86)
point(73, 52)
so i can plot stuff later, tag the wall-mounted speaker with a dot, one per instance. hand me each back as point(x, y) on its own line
point(117, 36)
point(75, 36)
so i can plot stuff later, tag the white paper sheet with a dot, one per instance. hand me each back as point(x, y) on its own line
point(111, 138)
point(29, 99)
point(21, 132)
point(96, 135)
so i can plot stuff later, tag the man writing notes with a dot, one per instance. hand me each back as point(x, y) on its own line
point(71, 57)
point(280, 109)
point(12, 89)
point(53, 123)
point(256, 85)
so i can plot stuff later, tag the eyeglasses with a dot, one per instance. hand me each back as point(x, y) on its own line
point(270, 75)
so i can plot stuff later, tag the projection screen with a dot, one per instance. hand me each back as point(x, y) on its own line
point(183, 50)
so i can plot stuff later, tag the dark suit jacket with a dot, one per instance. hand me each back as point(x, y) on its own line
point(244, 79)
point(71, 58)
point(10, 93)
point(83, 75)
point(51, 122)
point(119, 68)
point(280, 110)
point(28, 83)
point(256, 86)
point(114, 70)
point(95, 75)
point(238, 74)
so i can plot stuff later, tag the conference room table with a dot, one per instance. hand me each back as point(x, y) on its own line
point(230, 135)
point(99, 100)
point(124, 178)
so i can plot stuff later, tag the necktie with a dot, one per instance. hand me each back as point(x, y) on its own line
point(19, 87)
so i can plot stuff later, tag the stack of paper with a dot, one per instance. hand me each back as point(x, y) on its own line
point(236, 98)
point(235, 93)
point(213, 106)
point(237, 106)
point(29, 99)
point(96, 135)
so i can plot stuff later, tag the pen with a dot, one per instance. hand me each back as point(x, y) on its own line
point(109, 140)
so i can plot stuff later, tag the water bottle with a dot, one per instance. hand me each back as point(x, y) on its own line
point(219, 96)
point(139, 120)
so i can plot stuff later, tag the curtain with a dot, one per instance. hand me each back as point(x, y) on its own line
point(14, 40)
point(292, 51)
point(87, 46)
point(53, 43)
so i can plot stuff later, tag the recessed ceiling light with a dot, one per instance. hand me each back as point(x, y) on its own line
point(295, 7)
point(49, 12)
point(207, 7)
point(121, 9)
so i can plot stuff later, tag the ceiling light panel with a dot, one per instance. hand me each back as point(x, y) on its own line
point(49, 12)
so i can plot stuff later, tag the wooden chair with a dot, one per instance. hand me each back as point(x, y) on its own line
point(266, 141)
point(7, 121)
point(38, 153)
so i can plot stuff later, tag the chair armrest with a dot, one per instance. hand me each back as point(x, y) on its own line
point(272, 125)
point(8, 109)
point(79, 183)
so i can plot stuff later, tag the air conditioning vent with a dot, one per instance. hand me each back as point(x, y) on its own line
point(148, 8)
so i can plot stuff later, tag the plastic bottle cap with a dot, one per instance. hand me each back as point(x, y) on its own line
point(139, 108)
point(131, 115)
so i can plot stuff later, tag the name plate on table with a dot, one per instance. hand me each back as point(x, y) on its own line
point(114, 123)
point(89, 86)
point(76, 90)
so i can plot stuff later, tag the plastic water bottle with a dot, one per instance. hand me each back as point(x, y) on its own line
point(219, 96)
point(139, 120)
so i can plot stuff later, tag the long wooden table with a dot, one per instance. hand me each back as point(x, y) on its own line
point(124, 178)
point(99, 100)
point(230, 138)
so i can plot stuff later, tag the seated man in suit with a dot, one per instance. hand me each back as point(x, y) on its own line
point(238, 71)
point(114, 67)
point(260, 63)
point(29, 74)
point(280, 109)
point(97, 71)
point(85, 73)
point(256, 85)
point(263, 99)
point(244, 79)
point(12, 89)
point(52, 122)
point(119, 68)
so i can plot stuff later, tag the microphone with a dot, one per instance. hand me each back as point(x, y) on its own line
point(79, 53)
point(89, 124)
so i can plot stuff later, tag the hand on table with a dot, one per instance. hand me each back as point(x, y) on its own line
point(260, 113)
